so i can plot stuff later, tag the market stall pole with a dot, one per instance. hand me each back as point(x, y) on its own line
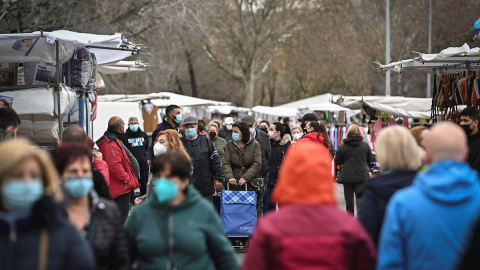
point(57, 88)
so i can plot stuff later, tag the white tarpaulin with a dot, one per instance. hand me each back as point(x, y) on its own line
point(226, 110)
point(327, 106)
point(122, 67)
point(303, 103)
point(276, 111)
point(418, 108)
point(162, 99)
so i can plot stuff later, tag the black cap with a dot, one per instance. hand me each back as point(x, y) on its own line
point(308, 117)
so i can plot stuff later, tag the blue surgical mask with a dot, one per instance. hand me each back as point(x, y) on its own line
point(190, 132)
point(236, 137)
point(178, 118)
point(19, 195)
point(78, 187)
point(134, 127)
point(165, 190)
point(252, 130)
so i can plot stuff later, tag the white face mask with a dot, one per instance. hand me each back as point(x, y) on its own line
point(159, 149)
point(297, 136)
point(228, 127)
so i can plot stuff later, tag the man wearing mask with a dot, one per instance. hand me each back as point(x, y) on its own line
point(122, 166)
point(305, 119)
point(207, 165)
point(9, 121)
point(469, 119)
point(226, 131)
point(137, 142)
point(218, 141)
point(173, 118)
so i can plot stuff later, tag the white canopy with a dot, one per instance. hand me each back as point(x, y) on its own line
point(303, 103)
point(418, 108)
point(327, 106)
point(123, 67)
point(276, 111)
point(226, 110)
point(162, 99)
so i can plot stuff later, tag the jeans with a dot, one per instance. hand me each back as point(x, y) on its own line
point(123, 202)
point(349, 191)
point(268, 205)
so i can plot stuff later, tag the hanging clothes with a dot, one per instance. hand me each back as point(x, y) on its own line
point(150, 117)
point(391, 122)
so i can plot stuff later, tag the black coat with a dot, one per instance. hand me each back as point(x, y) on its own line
point(207, 165)
point(225, 134)
point(376, 196)
point(264, 141)
point(279, 148)
point(19, 242)
point(106, 235)
point(355, 166)
point(137, 143)
point(474, 151)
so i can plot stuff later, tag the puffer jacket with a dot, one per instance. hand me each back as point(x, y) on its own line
point(122, 176)
point(248, 157)
point(279, 148)
point(207, 165)
point(355, 167)
point(19, 239)
point(106, 235)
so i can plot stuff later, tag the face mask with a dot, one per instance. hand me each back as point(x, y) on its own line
point(297, 136)
point(191, 132)
point(134, 127)
point(271, 134)
point(252, 130)
point(159, 149)
point(178, 118)
point(228, 127)
point(165, 190)
point(467, 129)
point(236, 137)
point(212, 135)
point(264, 130)
point(19, 195)
point(78, 187)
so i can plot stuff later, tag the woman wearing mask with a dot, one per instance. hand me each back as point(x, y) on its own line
point(354, 156)
point(168, 140)
point(280, 142)
point(313, 133)
point(96, 218)
point(218, 142)
point(177, 228)
point(34, 233)
point(242, 161)
point(297, 133)
point(264, 125)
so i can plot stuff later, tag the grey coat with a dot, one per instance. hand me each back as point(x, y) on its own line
point(355, 166)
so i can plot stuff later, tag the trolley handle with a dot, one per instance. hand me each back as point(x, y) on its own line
point(228, 186)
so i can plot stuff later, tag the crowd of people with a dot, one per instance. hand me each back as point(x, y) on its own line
point(76, 208)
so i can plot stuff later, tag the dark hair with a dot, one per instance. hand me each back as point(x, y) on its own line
point(201, 121)
point(74, 134)
point(265, 121)
point(170, 109)
point(320, 129)
point(179, 164)
point(471, 112)
point(326, 139)
point(242, 126)
point(116, 125)
point(286, 119)
point(5, 102)
point(67, 154)
point(8, 118)
point(279, 127)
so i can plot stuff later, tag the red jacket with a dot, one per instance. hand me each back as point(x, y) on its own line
point(102, 167)
point(122, 177)
point(309, 231)
point(312, 137)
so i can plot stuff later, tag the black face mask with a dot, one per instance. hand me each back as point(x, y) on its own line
point(212, 135)
point(264, 130)
point(467, 129)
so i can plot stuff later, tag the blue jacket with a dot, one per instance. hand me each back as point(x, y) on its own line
point(428, 225)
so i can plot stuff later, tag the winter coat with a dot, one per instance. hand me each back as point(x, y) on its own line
point(471, 260)
point(192, 231)
point(207, 165)
point(161, 127)
point(376, 196)
point(279, 148)
point(225, 134)
point(312, 137)
point(474, 151)
point(429, 224)
point(106, 235)
point(249, 157)
point(122, 176)
point(266, 149)
point(309, 231)
point(102, 167)
point(20, 239)
point(354, 162)
point(100, 186)
point(137, 143)
point(220, 145)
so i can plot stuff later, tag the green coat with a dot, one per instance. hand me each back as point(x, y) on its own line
point(193, 228)
point(250, 155)
point(220, 145)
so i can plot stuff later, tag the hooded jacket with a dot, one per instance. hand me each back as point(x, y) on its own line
point(376, 196)
point(19, 240)
point(309, 231)
point(137, 143)
point(122, 176)
point(354, 155)
point(428, 225)
point(279, 148)
point(192, 231)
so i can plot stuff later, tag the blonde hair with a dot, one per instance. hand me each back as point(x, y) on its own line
point(354, 129)
point(397, 149)
point(417, 133)
point(214, 124)
point(174, 142)
point(14, 152)
point(296, 127)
